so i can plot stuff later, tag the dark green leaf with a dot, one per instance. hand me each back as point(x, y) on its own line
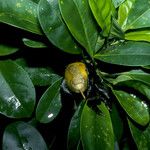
point(140, 136)
point(117, 123)
point(21, 62)
point(33, 44)
point(138, 14)
point(102, 11)
point(117, 2)
point(17, 93)
point(139, 86)
point(21, 14)
point(50, 103)
point(42, 76)
point(22, 136)
point(74, 129)
point(125, 53)
point(137, 75)
point(133, 106)
point(54, 27)
point(138, 35)
point(7, 49)
point(96, 128)
point(79, 19)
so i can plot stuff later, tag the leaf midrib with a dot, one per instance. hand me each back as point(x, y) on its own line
point(130, 25)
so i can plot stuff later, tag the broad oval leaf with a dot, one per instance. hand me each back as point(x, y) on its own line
point(50, 103)
point(7, 49)
point(96, 128)
point(138, 16)
point(17, 93)
point(55, 28)
point(42, 76)
point(74, 129)
point(102, 12)
point(78, 17)
point(22, 136)
point(138, 36)
point(134, 107)
point(33, 43)
point(125, 53)
point(140, 136)
point(21, 14)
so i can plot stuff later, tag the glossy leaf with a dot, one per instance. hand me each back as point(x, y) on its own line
point(55, 28)
point(33, 44)
point(96, 128)
point(74, 129)
point(124, 11)
point(133, 106)
point(137, 75)
point(42, 76)
point(140, 136)
point(78, 17)
point(21, 14)
point(117, 2)
point(17, 93)
point(139, 86)
point(125, 53)
point(102, 12)
point(138, 15)
point(138, 36)
point(50, 103)
point(22, 136)
point(116, 122)
point(7, 49)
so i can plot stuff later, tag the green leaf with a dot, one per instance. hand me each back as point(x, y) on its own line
point(74, 129)
point(125, 53)
point(102, 11)
point(21, 14)
point(7, 49)
point(123, 12)
point(139, 86)
point(133, 106)
point(138, 14)
point(22, 136)
point(137, 75)
point(138, 36)
point(55, 28)
point(42, 76)
point(140, 136)
point(116, 122)
point(33, 43)
point(117, 2)
point(50, 103)
point(96, 128)
point(79, 19)
point(17, 93)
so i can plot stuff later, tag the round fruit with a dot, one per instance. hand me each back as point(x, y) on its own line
point(76, 77)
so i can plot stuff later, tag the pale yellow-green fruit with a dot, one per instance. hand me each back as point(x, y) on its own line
point(76, 77)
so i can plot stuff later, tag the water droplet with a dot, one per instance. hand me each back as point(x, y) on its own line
point(14, 101)
point(134, 96)
point(50, 115)
point(144, 104)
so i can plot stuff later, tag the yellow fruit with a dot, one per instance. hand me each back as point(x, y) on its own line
point(76, 77)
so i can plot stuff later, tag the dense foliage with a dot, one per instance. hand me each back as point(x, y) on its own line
point(39, 38)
